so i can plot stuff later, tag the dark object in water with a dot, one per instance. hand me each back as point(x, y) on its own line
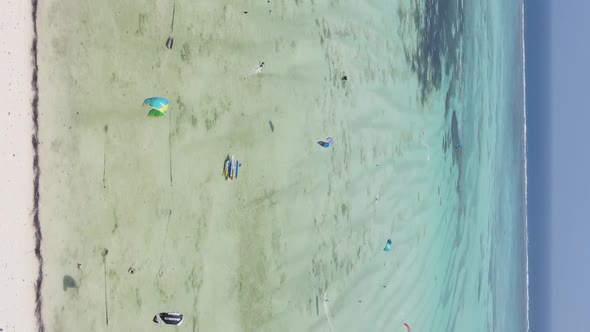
point(169, 318)
point(317, 309)
point(387, 245)
point(69, 282)
point(245, 12)
point(170, 41)
point(326, 143)
point(272, 126)
point(105, 252)
point(345, 78)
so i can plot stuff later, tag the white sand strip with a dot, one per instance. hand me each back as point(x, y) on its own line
point(18, 265)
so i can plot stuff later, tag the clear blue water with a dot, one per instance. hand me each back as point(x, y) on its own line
point(470, 63)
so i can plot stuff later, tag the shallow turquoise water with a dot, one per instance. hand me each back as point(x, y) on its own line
point(483, 268)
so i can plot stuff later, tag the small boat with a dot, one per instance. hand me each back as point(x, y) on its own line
point(169, 318)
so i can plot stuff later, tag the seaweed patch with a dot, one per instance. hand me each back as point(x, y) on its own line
point(36, 171)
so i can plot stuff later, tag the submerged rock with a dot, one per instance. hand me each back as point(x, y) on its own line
point(69, 282)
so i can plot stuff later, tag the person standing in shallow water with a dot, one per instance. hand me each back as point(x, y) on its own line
point(256, 70)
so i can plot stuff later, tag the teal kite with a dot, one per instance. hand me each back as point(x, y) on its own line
point(158, 105)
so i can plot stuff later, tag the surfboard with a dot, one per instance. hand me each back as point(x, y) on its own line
point(230, 174)
point(233, 169)
point(227, 169)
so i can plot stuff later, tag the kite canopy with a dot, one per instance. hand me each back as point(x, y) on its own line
point(158, 105)
point(326, 143)
point(387, 246)
point(170, 318)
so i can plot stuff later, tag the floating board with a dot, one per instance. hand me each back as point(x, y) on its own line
point(234, 169)
point(169, 318)
point(227, 170)
point(230, 172)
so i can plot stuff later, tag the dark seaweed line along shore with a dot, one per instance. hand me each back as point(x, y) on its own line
point(36, 171)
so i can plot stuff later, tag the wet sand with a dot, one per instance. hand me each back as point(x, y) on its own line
point(296, 243)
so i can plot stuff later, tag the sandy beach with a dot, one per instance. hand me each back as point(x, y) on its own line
point(18, 263)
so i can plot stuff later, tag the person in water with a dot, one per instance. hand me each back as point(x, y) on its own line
point(256, 70)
